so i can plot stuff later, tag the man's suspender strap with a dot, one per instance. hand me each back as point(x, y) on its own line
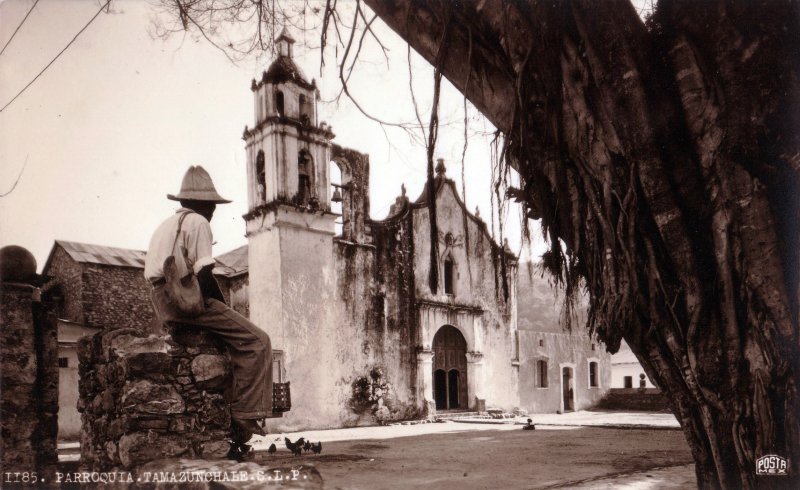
point(184, 214)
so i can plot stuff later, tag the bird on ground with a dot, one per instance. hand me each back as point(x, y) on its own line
point(295, 447)
point(300, 442)
point(307, 446)
point(272, 449)
point(529, 425)
point(316, 448)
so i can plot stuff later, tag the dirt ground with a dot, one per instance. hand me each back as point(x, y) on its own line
point(495, 459)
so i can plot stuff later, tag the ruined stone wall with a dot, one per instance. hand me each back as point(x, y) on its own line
point(116, 297)
point(29, 381)
point(355, 197)
point(145, 398)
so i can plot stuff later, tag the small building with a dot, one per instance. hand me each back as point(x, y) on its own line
point(627, 371)
point(98, 286)
point(560, 370)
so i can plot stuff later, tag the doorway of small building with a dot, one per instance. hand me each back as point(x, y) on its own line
point(568, 388)
point(450, 369)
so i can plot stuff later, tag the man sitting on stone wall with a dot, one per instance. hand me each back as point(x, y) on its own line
point(249, 346)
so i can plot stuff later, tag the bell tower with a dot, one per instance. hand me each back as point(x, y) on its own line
point(287, 150)
point(289, 223)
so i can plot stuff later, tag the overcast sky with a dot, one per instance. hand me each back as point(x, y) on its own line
point(110, 128)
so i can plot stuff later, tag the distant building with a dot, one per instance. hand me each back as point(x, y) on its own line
point(69, 419)
point(627, 372)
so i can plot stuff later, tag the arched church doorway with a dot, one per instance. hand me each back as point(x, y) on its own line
point(449, 369)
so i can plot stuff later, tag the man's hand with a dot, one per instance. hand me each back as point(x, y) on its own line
point(208, 284)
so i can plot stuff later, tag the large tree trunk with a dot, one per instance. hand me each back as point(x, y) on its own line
point(667, 158)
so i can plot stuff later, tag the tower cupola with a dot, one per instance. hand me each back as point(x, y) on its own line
point(284, 43)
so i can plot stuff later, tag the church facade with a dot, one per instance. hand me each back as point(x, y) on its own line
point(362, 328)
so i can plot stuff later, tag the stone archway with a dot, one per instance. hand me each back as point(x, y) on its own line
point(450, 369)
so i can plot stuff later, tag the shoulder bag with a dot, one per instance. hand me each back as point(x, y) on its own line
point(181, 286)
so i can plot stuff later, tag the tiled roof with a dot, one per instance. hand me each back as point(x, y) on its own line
point(283, 69)
point(99, 254)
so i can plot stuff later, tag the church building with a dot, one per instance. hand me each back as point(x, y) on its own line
point(362, 328)
point(370, 320)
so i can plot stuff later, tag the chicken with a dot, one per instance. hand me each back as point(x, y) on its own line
point(295, 447)
point(272, 449)
point(316, 448)
point(307, 446)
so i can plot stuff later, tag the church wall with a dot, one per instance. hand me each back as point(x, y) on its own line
point(478, 283)
point(396, 312)
point(318, 349)
point(265, 297)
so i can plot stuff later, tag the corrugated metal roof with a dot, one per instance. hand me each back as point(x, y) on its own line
point(233, 262)
point(99, 254)
point(228, 264)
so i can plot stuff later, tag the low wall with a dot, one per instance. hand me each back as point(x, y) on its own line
point(634, 399)
point(147, 397)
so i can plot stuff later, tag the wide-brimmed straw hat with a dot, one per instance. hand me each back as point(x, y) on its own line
point(197, 186)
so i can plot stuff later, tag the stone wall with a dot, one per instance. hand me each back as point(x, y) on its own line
point(29, 379)
point(148, 397)
point(116, 297)
point(635, 400)
point(99, 295)
point(66, 285)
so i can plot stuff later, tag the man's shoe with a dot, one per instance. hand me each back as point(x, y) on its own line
point(250, 425)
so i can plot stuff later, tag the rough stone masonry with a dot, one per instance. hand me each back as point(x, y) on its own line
point(149, 397)
point(28, 372)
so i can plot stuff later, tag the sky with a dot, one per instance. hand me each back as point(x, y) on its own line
point(110, 128)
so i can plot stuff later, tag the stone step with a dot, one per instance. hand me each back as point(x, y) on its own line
point(450, 415)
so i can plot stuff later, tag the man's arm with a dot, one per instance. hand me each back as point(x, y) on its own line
point(208, 284)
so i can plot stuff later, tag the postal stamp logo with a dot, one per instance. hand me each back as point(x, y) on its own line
point(771, 464)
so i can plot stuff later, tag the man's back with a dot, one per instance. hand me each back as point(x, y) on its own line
point(195, 236)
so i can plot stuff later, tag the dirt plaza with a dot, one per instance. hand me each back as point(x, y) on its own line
point(582, 450)
point(504, 457)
